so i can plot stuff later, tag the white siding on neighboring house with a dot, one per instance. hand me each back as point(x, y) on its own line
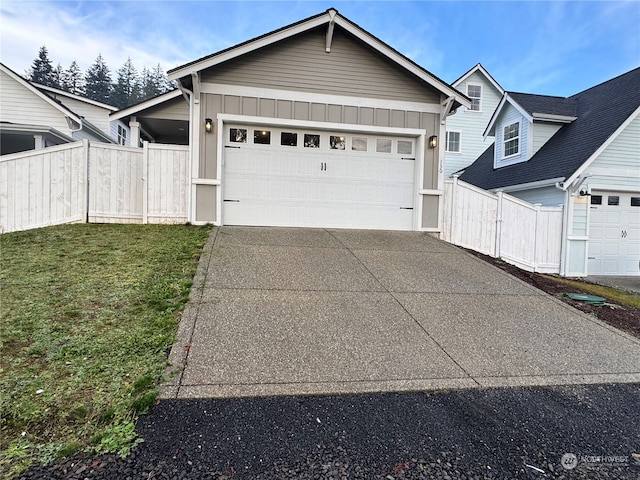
point(541, 133)
point(508, 116)
point(619, 164)
point(545, 196)
point(115, 129)
point(98, 116)
point(19, 105)
point(471, 125)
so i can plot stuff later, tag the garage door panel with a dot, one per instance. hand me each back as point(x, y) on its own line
point(298, 186)
point(614, 235)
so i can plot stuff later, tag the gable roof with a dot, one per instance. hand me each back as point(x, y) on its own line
point(545, 104)
point(478, 68)
point(46, 89)
point(331, 17)
point(145, 104)
point(602, 113)
point(41, 95)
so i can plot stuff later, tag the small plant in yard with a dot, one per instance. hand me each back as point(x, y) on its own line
point(87, 316)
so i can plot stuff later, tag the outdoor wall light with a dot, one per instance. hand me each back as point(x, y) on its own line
point(433, 141)
point(208, 125)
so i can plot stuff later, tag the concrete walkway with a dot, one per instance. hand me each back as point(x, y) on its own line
point(277, 311)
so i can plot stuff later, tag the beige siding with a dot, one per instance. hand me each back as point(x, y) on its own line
point(301, 64)
point(175, 109)
point(20, 105)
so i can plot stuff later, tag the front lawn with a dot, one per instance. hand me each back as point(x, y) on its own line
point(87, 316)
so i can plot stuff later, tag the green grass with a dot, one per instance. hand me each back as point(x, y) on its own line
point(611, 294)
point(87, 316)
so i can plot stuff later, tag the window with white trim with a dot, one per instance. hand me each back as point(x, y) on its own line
point(474, 92)
point(511, 140)
point(122, 135)
point(452, 143)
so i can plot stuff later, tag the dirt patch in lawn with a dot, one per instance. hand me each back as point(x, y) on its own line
point(615, 312)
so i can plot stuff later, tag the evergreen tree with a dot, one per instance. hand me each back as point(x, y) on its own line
point(160, 80)
point(148, 85)
point(57, 75)
point(41, 70)
point(126, 90)
point(73, 80)
point(98, 81)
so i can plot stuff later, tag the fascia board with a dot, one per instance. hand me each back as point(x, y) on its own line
point(249, 47)
point(76, 97)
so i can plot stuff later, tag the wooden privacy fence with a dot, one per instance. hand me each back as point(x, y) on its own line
point(502, 226)
point(83, 182)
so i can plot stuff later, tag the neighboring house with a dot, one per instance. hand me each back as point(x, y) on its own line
point(95, 112)
point(582, 152)
point(465, 140)
point(161, 119)
point(30, 118)
point(316, 124)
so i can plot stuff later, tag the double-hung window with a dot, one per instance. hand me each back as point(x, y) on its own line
point(474, 92)
point(453, 142)
point(122, 135)
point(511, 139)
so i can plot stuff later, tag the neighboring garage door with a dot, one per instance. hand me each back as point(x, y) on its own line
point(614, 234)
point(304, 178)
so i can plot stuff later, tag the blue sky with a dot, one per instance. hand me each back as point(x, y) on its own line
point(554, 48)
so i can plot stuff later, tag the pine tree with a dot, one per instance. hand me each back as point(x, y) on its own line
point(98, 81)
point(41, 70)
point(126, 90)
point(57, 75)
point(148, 85)
point(73, 80)
point(160, 80)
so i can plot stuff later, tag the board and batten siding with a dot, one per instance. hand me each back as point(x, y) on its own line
point(301, 64)
point(508, 116)
point(471, 125)
point(20, 105)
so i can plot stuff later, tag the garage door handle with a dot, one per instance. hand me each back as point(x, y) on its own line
point(406, 208)
point(407, 158)
point(323, 166)
point(230, 146)
point(234, 201)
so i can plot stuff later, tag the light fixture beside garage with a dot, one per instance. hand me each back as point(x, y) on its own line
point(208, 125)
point(433, 141)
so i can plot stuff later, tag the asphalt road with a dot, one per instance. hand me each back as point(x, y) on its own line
point(494, 433)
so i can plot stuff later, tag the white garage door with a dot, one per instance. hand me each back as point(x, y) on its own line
point(614, 234)
point(304, 178)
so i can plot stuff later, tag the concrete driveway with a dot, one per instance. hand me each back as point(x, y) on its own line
point(278, 311)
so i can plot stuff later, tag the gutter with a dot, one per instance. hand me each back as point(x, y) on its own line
point(531, 185)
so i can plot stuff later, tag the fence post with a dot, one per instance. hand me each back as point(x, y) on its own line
point(87, 172)
point(535, 237)
point(145, 182)
point(498, 251)
point(453, 202)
